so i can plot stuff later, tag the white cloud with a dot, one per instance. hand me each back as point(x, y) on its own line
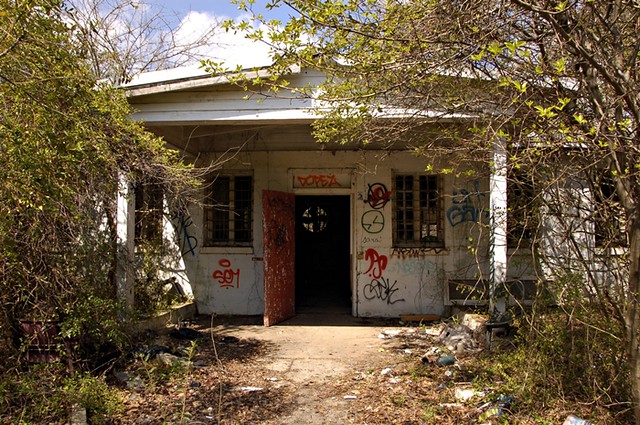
point(226, 46)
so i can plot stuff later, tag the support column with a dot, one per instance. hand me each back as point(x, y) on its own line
point(125, 233)
point(498, 221)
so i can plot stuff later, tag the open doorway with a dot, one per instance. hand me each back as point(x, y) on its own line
point(322, 254)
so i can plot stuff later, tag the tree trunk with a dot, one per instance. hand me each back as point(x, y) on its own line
point(633, 315)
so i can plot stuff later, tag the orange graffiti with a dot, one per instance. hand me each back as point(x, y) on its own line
point(320, 180)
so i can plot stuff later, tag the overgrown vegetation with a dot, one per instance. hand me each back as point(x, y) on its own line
point(46, 393)
point(66, 147)
point(563, 364)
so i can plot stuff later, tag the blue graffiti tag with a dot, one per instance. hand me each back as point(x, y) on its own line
point(187, 242)
point(467, 206)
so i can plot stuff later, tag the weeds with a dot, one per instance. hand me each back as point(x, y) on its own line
point(45, 393)
point(559, 363)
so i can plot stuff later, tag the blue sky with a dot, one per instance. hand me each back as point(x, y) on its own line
point(198, 15)
point(220, 8)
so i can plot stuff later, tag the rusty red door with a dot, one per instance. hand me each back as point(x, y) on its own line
point(279, 256)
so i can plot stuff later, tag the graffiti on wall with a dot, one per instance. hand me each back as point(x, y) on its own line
point(371, 240)
point(372, 221)
point(467, 206)
point(415, 252)
point(318, 180)
point(382, 289)
point(183, 223)
point(377, 263)
point(378, 195)
point(226, 277)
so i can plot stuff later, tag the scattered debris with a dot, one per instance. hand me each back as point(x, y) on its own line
point(251, 389)
point(185, 333)
point(574, 420)
point(459, 339)
point(446, 360)
point(350, 397)
point(420, 318)
point(78, 415)
point(386, 371)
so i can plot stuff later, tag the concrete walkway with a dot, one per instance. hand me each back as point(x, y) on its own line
point(313, 346)
point(312, 349)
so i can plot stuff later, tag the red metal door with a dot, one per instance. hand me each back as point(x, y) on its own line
point(279, 256)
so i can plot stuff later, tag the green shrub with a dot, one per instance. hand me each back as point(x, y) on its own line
point(93, 394)
point(562, 363)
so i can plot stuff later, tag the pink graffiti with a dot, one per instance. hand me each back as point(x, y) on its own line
point(227, 276)
point(377, 263)
point(320, 180)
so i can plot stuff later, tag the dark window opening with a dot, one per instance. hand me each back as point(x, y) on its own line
point(522, 211)
point(608, 213)
point(149, 212)
point(418, 211)
point(228, 214)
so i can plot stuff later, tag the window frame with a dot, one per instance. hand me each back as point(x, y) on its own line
point(523, 208)
point(606, 204)
point(221, 219)
point(430, 211)
point(149, 212)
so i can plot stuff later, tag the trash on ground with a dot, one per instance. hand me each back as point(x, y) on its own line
point(465, 394)
point(251, 389)
point(446, 360)
point(450, 405)
point(431, 355)
point(574, 420)
point(459, 339)
point(185, 333)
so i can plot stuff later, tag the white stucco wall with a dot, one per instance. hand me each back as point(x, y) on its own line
point(386, 282)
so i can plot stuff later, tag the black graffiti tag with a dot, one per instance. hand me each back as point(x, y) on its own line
point(382, 289)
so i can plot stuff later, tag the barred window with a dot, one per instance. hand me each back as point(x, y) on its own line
point(608, 213)
point(522, 212)
point(418, 211)
point(149, 208)
point(228, 214)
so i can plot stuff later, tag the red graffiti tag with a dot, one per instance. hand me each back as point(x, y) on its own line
point(226, 277)
point(319, 180)
point(378, 196)
point(377, 263)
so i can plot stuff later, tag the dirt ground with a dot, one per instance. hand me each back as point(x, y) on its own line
point(311, 369)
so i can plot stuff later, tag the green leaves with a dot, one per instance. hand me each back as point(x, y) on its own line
point(64, 142)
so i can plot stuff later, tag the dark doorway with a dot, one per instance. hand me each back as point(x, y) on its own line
point(322, 254)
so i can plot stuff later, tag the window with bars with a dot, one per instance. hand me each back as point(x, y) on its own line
point(418, 211)
point(522, 212)
point(229, 211)
point(149, 212)
point(608, 213)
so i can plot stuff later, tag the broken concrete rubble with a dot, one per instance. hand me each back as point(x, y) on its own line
point(460, 339)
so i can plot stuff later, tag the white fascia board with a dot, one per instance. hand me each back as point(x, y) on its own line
point(197, 81)
point(226, 117)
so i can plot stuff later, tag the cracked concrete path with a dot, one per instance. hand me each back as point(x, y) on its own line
point(313, 348)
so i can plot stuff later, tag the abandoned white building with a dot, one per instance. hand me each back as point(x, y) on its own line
point(289, 225)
